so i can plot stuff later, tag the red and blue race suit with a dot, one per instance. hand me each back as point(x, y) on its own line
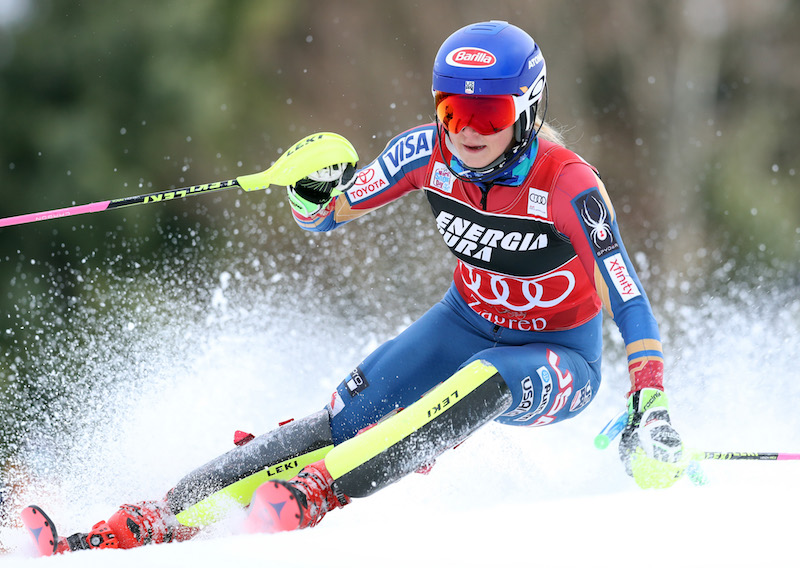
point(536, 262)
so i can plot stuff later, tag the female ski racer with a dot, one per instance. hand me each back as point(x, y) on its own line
point(516, 338)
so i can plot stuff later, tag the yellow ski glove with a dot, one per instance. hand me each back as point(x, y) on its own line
point(650, 448)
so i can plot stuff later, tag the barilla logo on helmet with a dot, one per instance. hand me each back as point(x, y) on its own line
point(472, 57)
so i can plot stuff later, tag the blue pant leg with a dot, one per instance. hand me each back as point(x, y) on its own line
point(550, 382)
point(403, 369)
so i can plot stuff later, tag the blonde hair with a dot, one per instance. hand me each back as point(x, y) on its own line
point(550, 133)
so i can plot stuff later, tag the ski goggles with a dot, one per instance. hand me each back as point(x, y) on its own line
point(486, 114)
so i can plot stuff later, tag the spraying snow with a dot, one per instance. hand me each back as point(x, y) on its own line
point(161, 389)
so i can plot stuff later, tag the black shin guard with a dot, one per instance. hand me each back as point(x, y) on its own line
point(203, 495)
point(412, 438)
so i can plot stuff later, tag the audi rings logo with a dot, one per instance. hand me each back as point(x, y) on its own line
point(520, 295)
point(537, 202)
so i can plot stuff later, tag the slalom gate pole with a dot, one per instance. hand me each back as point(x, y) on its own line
point(307, 156)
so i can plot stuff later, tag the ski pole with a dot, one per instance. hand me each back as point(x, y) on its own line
point(617, 424)
point(98, 206)
point(310, 154)
point(759, 456)
point(693, 470)
point(611, 430)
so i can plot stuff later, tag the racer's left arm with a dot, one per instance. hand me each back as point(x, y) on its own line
point(584, 214)
point(650, 447)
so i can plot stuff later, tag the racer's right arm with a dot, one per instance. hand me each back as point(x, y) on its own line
point(399, 169)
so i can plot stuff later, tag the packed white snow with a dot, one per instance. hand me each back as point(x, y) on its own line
point(527, 497)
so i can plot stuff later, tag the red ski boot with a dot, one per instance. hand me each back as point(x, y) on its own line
point(295, 504)
point(149, 522)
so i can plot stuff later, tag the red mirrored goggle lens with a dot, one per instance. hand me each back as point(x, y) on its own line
point(486, 114)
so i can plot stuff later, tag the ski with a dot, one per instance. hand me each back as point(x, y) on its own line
point(41, 529)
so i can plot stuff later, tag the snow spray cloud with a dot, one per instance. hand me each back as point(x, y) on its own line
point(141, 368)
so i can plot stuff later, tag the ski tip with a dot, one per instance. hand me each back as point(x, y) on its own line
point(41, 529)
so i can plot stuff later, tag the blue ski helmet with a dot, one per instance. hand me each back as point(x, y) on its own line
point(494, 58)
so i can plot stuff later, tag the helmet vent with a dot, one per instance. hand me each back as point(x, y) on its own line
point(488, 28)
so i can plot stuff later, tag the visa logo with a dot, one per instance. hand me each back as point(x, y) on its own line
point(411, 147)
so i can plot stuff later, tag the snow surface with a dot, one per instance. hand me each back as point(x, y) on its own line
point(528, 497)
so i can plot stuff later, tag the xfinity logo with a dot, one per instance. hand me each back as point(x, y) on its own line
point(623, 282)
point(476, 241)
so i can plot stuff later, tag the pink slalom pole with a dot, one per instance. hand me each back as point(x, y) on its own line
point(55, 213)
point(762, 456)
point(157, 197)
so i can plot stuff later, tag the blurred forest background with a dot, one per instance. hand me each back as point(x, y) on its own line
point(689, 108)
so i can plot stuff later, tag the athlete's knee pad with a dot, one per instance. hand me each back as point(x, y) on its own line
point(205, 495)
point(403, 443)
